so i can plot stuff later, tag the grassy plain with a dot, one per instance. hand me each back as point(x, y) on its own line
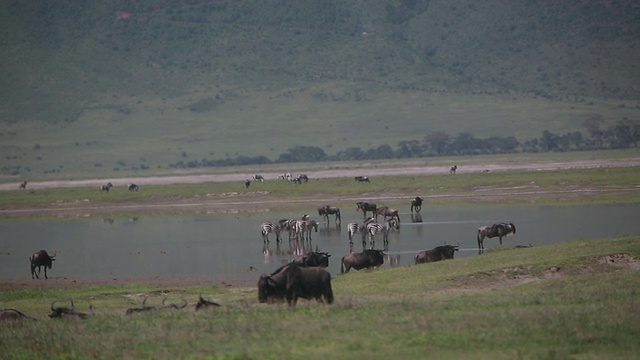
point(578, 299)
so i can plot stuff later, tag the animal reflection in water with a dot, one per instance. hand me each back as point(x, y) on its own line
point(416, 218)
point(499, 230)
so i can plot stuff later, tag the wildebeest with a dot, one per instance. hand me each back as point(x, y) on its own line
point(366, 207)
point(498, 229)
point(291, 282)
point(203, 304)
point(313, 258)
point(387, 211)
point(106, 187)
point(66, 312)
point(453, 169)
point(133, 187)
point(364, 260)
point(40, 259)
point(303, 178)
point(258, 178)
point(13, 315)
point(330, 210)
point(362, 179)
point(247, 183)
point(23, 185)
point(416, 204)
point(438, 253)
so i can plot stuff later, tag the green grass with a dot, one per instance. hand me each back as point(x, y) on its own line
point(499, 305)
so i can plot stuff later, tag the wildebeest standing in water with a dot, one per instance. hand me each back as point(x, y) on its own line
point(330, 210)
point(291, 282)
point(498, 229)
point(416, 204)
point(40, 259)
point(364, 260)
point(365, 207)
point(444, 252)
point(386, 211)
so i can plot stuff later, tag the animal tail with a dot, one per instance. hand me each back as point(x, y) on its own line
point(342, 267)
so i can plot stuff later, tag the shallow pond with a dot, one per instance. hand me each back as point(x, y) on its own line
point(231, 246)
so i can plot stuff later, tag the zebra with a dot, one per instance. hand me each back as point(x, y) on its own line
point(302, 227)
point(106, 187)
point(269, 227)
point(374, 228)
point(258, 177)
point(133, 187)
point(453, 169)
point(355, 228)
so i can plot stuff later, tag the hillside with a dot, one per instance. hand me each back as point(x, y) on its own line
point(96, 86)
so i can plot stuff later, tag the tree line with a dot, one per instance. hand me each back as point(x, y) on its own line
point(622, 135)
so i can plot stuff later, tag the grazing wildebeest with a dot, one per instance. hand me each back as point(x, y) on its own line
point(330, 210)
point(387, 211)
point(13, 315)
point(291, 282)
point(203, 304)
point(365, 207)
point(65, 312)
point(133, 187)
point(438, 253)
point(258, 178)
point(453, 169)
point(362, 179)
point(498, 229)
point(40, 259)
point(416, 204)
point(364, 260)
point(106, 187)
point(23, 185)
point(313, 258)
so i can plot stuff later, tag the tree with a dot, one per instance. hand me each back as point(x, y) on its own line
point(437, 142)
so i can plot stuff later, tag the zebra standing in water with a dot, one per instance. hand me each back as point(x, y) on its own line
point(268, 228)
point(355, 228)
point(302, 227)
point(375, 228)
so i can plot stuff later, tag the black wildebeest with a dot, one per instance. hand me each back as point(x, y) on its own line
point(40, 259)
point(13, 315)
point(291, 282)
point(364, 260)
point(313, 258)
point(23, 185)
point(387, 211)
point(453, 169)
point(203, 304)
point(133, 187)
point(330, 210)
point(416, 204)
point(66, 312)
point(106, 187)
point(366, 207)
point(498, 229)
point(362, 179)
point(438, 253)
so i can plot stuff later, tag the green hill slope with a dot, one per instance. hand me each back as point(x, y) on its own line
point(94, 84)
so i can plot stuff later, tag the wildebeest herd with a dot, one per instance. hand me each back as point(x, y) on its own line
point(306, 275)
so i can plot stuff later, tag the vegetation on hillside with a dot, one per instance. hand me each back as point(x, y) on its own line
point(157, 82)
